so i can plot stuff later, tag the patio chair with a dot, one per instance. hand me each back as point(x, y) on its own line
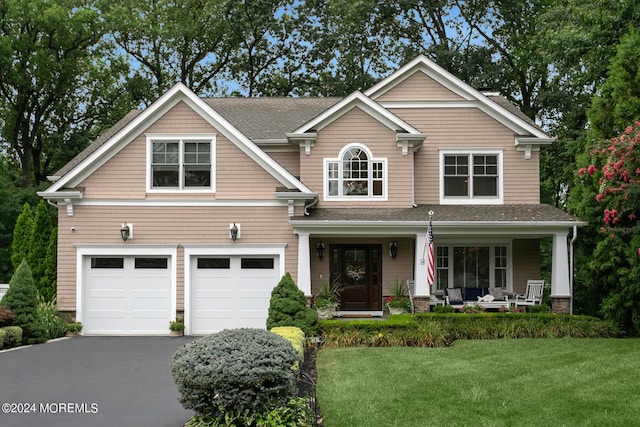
point(533, 294)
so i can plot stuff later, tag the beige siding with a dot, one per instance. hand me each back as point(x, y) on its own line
point(290, 160)
point(469, 128)
point(358, 126)
point(419, 87)
point(526, 263)
point(237, 176)
point(97, 225)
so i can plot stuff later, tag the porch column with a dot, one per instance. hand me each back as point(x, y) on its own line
point(304, 263)
point(560, 289)
point(422, 289)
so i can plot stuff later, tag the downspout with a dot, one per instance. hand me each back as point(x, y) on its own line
point(310, 205)
point(573, 239)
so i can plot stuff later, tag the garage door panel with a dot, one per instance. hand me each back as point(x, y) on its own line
point(126, 300)
point(230, 292)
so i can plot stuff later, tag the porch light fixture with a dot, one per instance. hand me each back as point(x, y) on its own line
point(320, 249)
point(234, 231)
point(393, 250)
point(125, 231)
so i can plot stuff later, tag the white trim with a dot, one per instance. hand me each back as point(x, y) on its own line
point(85, 250)
point(457, 86)
point(356, 99)
point(371, 159)
point(236, 249)
point(472, 200)
point(281, 202)
point(154, 112)
point(182, 138)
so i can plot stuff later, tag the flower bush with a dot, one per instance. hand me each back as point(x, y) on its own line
point(607, 195)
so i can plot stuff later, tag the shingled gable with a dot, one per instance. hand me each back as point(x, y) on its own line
point(405, 133)
point(528, 135)
point(106, 146)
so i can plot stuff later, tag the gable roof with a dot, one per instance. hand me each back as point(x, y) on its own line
point(359, 100)
point(112, 141)
point(497, 107)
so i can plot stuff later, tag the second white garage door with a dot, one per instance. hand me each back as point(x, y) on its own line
point(231, 292)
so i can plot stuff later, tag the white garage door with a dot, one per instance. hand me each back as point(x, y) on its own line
point(231, 292)
point(127, 295)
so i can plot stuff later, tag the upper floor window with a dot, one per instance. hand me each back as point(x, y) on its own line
point(355, 174)
point(474, 177)
point(184, 164)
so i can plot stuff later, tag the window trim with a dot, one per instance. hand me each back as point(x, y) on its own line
point(492, 259)
point(472, 200)
point(181, 137)
point(371, 159)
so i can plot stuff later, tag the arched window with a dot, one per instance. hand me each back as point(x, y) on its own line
point(355, 174)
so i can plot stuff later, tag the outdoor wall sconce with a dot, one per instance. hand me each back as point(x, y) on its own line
point(234, 231)
point(320, 249)
point(125, 231)
point(393, 250)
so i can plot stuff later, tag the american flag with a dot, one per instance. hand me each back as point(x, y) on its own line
point(430, 256)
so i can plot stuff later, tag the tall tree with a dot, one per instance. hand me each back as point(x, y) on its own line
point(618, 102)
point(54, 82)
point(22, 236)
point(170, 41)
point(38, 244)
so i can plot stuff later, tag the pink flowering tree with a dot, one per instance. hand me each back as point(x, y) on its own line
point(607, 194)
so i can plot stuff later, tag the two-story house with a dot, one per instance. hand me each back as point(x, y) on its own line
point(196, 207)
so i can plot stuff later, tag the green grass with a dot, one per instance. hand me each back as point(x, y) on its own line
point(526, 382)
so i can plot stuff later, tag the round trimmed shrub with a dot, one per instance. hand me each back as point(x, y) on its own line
point(235, 369)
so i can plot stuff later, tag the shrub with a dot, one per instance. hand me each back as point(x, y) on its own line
point(540, 308)
point(296, 337)
point(443, 309)
point(13, 336)
point(3, 335)
point(73, 327)
point(288, 307)
point(296, 413)
point(48, 319)
point(233, 370)
point(21, 299)
point(6, 316)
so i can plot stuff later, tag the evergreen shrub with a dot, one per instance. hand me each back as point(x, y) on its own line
point(288, 307)
point(21, 299)
point(3, 334)
point(13, 336)
point(295, 336)
point(234, 370)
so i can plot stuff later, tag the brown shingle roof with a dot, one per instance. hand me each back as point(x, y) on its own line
point(269, 118)
point(447, 213)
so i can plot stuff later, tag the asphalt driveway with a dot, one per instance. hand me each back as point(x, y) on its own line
point(91, 381)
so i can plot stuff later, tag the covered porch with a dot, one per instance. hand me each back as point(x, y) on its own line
point(368, 250)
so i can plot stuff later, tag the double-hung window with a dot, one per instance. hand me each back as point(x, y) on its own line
point(184, 164)
point(471, 177)
point(355, 175)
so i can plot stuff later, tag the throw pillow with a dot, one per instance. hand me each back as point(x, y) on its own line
point(497, 293)
point(455, 295)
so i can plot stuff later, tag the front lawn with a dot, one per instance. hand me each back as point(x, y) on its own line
point(585, 382)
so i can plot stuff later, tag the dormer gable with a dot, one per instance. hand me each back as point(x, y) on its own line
point(406, 135)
